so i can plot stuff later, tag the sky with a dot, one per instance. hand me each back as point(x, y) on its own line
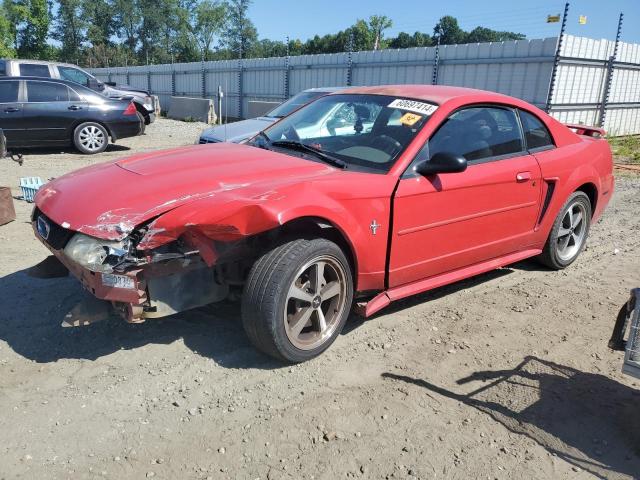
point(275, 19)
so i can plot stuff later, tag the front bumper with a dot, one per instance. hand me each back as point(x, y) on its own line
point(149, 291)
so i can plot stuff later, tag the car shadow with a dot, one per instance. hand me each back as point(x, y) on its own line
point(64, 149)
point(34, 308)
point(587, 419)
point(436, 293)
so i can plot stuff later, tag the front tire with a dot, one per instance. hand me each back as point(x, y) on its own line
point(90, 138)
point(569, 233)
point(297, 299)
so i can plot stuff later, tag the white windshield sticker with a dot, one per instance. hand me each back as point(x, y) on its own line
point(413, 106)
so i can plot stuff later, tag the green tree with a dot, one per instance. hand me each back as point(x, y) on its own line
point(240, 33)
point(378, 24)
point(69, 28)
point(102, 24)
point(29, 27)
point(127, 21)
point(7, 38)
point(266, 48)
point(482, 34)
point(206, 23)
point(404, 40)
point(448, 31)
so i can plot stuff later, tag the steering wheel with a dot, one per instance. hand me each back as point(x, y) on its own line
point(387, 144)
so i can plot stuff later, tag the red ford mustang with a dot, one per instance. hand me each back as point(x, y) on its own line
point(368, 195)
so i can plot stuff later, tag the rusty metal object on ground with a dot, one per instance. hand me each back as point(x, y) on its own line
point(7, 210)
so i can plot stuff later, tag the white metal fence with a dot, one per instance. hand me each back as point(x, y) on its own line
point(521, 68)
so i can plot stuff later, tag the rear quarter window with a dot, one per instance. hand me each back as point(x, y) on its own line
point(535, 132)
point(34, 70)
point(8, 92)
point(47, 92)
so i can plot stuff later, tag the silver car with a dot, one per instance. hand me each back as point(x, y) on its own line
point(142, 100)
point(238, 132)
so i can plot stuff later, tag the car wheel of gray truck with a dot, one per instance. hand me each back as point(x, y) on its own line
point(143, 124)
point(90, 138)
point(297, 299)
point(569, 232)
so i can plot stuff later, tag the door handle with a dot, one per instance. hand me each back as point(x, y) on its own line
point(75, 107)
point(11, 109)
point(522, 177)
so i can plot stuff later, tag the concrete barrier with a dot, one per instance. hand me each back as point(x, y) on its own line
point(187, 108)
point(259, 108)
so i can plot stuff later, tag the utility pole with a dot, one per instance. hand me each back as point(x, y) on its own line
point(350, 60)
point(556, 60)
point(610, 66)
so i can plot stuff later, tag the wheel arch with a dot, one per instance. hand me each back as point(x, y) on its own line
point(320, 227)
point(143, 111)
point(591, 191)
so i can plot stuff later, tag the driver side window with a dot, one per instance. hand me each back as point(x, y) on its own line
point(479, 134)
point(74, 75)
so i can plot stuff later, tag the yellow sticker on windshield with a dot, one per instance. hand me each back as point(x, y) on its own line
point(410, 119)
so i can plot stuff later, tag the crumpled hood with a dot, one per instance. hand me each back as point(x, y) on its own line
point(109, 200)
point(237, 131)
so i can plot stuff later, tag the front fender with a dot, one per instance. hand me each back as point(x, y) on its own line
point(243, 217)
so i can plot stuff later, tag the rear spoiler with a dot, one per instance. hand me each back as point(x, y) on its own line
point(586, 130)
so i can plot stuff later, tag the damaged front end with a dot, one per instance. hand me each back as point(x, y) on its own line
point(180, 275)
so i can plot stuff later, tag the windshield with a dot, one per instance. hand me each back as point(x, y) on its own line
point(294, 103)
point(368, 131)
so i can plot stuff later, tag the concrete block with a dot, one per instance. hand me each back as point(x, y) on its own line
point(187, 108)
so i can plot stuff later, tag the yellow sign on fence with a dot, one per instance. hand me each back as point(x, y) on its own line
point(582, 19)
point(553, 18)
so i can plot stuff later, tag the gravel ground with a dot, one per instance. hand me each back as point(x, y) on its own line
point(506, 375)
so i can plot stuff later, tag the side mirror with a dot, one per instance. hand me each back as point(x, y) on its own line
point(95, 84)
point(442, 162)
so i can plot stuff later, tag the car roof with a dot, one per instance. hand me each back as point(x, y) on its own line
point(45, 79)
point(438, 94)
point(39, 62)
point(325, 89)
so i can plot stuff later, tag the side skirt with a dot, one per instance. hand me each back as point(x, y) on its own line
point(396, 293)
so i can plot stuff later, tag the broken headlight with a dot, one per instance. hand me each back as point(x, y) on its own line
point(95, 254)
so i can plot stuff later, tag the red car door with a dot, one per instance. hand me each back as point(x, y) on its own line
point(445, 222)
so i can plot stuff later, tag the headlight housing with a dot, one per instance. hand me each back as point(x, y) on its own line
point(95, 254)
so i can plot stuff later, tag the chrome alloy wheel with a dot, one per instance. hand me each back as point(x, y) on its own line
point(92, 138)
point(572, 231)
point(315, 302)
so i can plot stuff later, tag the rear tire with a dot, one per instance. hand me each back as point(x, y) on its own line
point(297, 299)
point(90, 138)
point(569, 233)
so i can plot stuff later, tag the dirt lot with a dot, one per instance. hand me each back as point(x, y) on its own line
point(506, 375)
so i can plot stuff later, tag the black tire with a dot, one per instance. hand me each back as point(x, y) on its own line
point(143, 122)
point(90, 128)
point(551, 255)
point(266, 296)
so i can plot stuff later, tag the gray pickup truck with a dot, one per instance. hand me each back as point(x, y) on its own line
point(142, 100)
